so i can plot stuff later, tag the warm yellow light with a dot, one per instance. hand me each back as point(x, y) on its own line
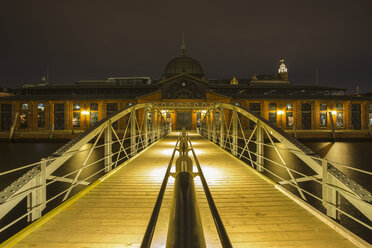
point(84, 112)
point(204, 111)
point(334, 112)
point(167, 152)
point(280, 112)
point(163, 112)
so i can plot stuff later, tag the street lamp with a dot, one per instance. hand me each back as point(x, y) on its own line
point(280, 113)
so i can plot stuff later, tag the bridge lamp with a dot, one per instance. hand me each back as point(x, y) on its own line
point(333, 112)
point(84, 112)
point(204, 112)
point(280, 112)
point(163, 112)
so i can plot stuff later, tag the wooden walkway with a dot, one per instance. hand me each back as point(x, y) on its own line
point(116, 212)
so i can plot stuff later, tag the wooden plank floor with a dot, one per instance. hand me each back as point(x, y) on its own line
point(116, 212)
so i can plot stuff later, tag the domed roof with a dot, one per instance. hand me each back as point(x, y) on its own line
point(183, 64)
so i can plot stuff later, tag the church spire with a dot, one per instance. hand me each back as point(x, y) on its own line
point(183, 47)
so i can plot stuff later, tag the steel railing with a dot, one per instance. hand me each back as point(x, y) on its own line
point(227, 126)
point(73, 160)
point(185, 225)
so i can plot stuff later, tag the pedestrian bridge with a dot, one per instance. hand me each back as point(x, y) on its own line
point(119, 209)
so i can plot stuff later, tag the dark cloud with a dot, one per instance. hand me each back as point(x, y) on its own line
point(98, 39)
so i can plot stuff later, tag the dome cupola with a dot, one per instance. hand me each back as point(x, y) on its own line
point(183, 64)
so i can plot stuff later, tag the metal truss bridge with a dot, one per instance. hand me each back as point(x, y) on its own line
point(230, 184)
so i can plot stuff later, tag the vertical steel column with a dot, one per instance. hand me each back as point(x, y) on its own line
point(222, 126)
point(208, 115)
point(260, 146)
point(159, 117)
point(153, 134)
point(145, 128)
point(332, 125)
point(133, 138)
point(108, 147)
point(330, 196)
point(234, 150)
point(214, 124)
point(36, 200)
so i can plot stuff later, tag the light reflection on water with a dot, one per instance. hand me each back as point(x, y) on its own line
point(353, 154)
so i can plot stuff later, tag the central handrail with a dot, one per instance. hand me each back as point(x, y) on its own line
point(182, 231)
point(146, 242)
point(224, 238)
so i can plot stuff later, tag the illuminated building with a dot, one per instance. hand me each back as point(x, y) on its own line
point(66, 110)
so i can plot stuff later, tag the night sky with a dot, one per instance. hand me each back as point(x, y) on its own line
point(98, 39)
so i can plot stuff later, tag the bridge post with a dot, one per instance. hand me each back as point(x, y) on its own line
point(133, 138)
point(260, 146)
point(145, 127)
point(208, 114)
point(234, 132)
point(222, 125)
point(159, 117)
point(332, 125)
point(153, 134)
point(36, 200)
point(108, 147)
point(214, 134)
point(330, 196)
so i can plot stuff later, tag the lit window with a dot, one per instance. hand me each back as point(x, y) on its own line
point(76, 107)
point(41, 107)
point(272, 106)
point(339, 107)
point(289, 106)
point(23, 120)
point(76, 119)
point(93, 118)
point(41, 115)
point(289, 119)
point(272, 117)
point(24, 106)
point(93, 106)
point(323, 119)
point(340, 119)
point(323, 107)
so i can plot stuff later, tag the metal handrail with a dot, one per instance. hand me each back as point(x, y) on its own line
point(334, 163)
point(333, 182)
point(224, 238)
point(185, 227)
point(180, 237)
point(142, 136)
point(147, 239)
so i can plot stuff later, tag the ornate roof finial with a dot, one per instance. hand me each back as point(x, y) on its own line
point(282, 67)
point(234, 81)
point(183, 47)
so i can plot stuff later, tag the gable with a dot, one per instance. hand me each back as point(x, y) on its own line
point(183, 86)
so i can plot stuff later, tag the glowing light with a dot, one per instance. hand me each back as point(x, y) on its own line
point(280, 112)
point(198, 151)
point(204, 111)
point(170, 143)
point(84, 112)
point(167, 152)
point(154, 175)
point(333, 112)
point(282, 68)
point(163, 112)
point(212, 172)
